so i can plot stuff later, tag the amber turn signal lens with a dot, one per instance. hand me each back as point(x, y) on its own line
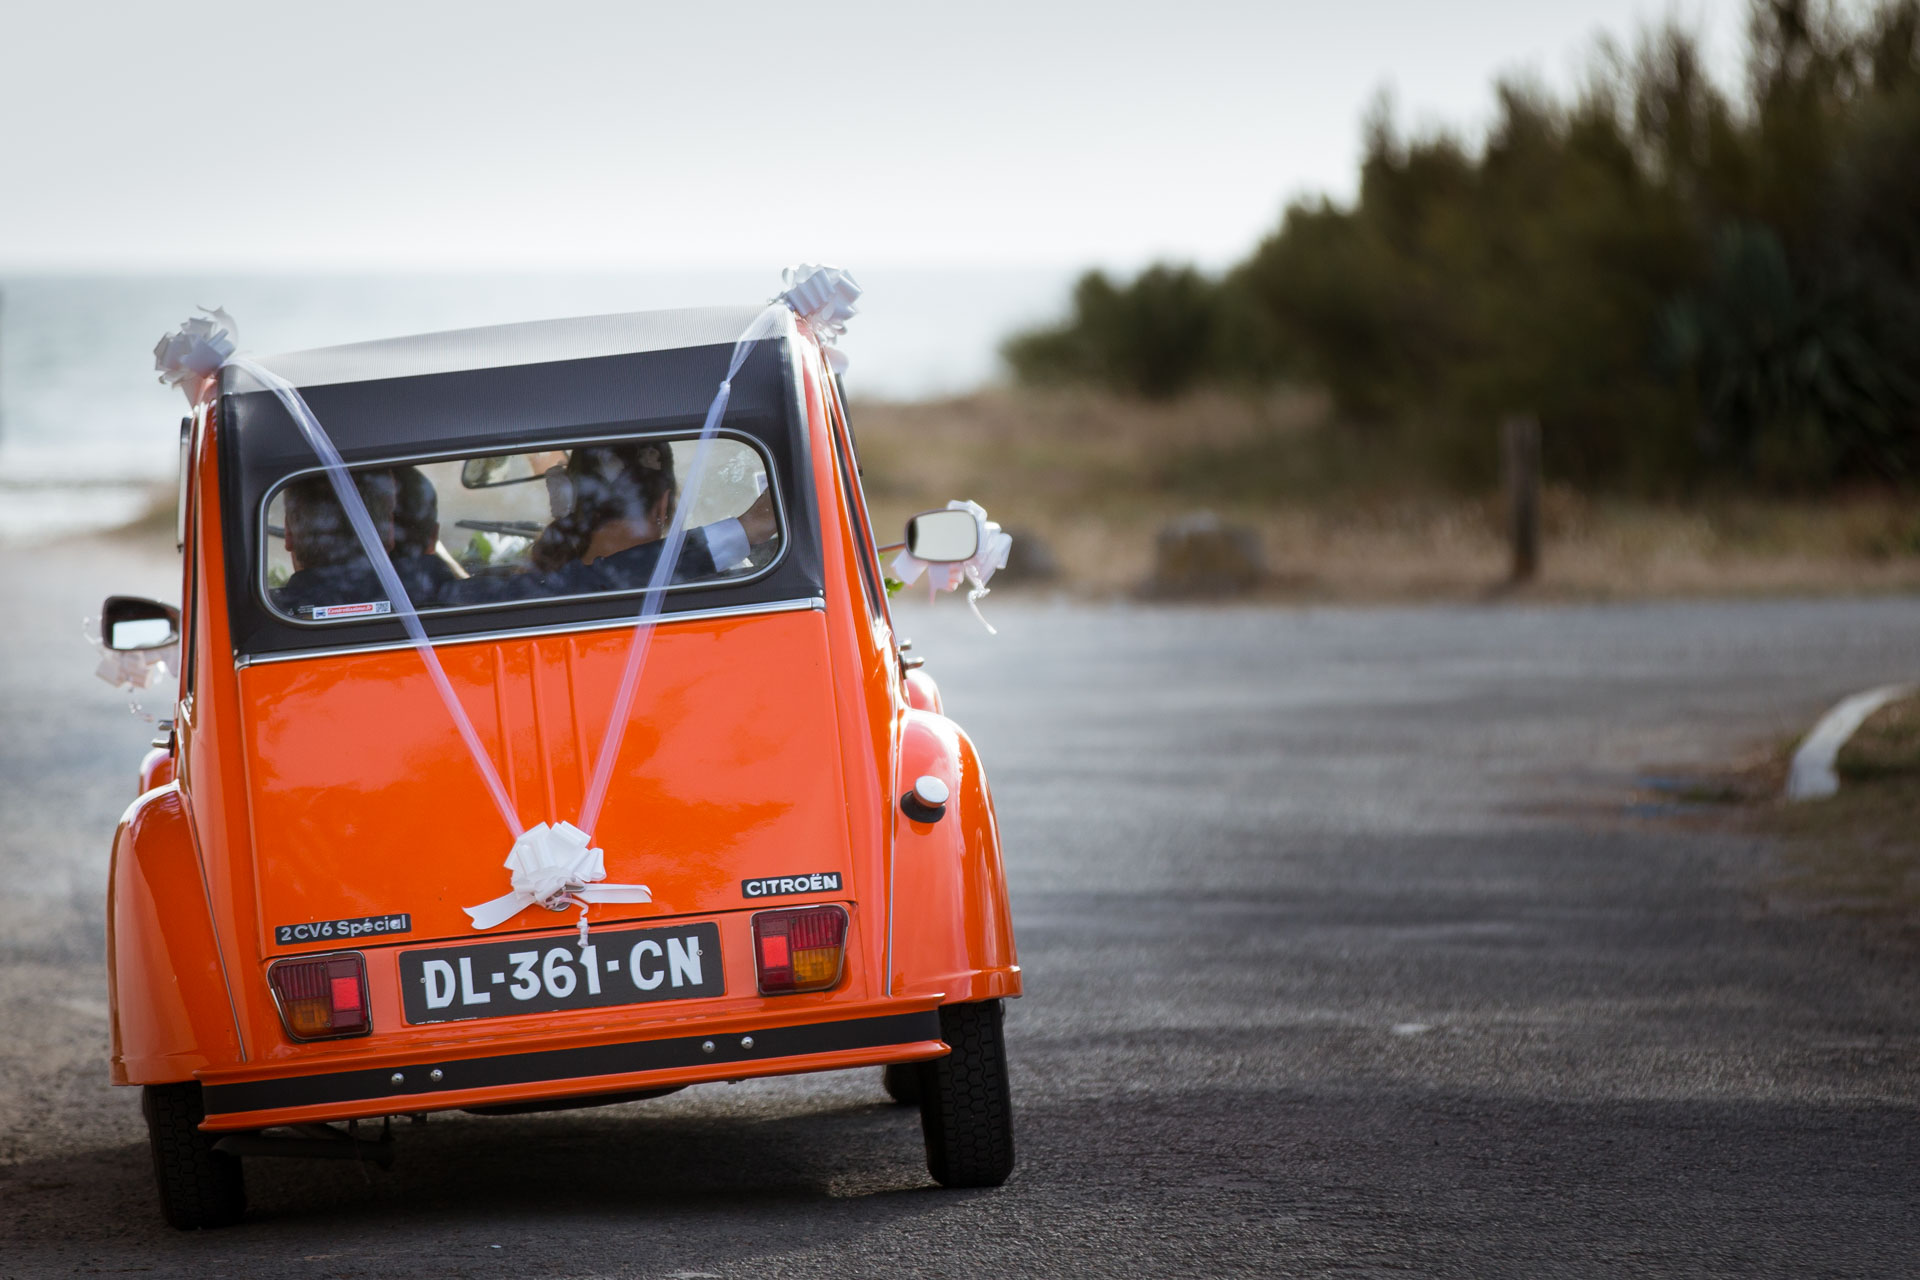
point(321, 997)
point(800, 949)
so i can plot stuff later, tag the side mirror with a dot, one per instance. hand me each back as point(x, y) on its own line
point(943, 537)
point(132, 622)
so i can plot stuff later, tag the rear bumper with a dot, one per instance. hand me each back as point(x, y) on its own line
point(440, 1084)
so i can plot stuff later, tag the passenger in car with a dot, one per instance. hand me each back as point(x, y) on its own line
point(329, 567)
point(620, 504)
point(416, 537)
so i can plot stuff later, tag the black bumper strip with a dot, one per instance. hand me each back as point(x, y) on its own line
point(417, 1080)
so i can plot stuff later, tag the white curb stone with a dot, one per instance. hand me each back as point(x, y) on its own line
point(1812, 775)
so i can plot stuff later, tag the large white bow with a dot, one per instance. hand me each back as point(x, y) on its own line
point(990, 554)
point(553, 867)
point(821, 296)
point(190, 354)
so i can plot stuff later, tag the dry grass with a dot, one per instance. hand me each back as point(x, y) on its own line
point(1858, 853)
point(1886, 748)
point(1855, 854)
point(1096, 476)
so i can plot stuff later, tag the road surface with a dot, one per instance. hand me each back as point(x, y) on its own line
point(1351, 948)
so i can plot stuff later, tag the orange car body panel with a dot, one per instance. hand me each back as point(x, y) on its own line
point(333, 786)
point(922, 693)
point(165, 979)
point(726, 770)
point(965, 952)
point(156, 769)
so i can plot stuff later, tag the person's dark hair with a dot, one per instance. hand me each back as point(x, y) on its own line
point(416, 513)
point(609, 482)
point(317, 530)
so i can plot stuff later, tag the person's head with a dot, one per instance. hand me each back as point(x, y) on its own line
point(318, 534)
point(631, 481)
point(416, 513)
point(628, 482)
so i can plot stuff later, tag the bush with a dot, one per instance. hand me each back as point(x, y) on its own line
point(1683, 286)
point(1155, 337)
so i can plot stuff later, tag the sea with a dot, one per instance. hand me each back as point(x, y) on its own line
point(87, 432)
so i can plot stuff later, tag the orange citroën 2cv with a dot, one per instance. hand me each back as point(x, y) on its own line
point(289, 940)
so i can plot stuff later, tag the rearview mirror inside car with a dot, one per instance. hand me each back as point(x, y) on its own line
point(134, 622)
point(501, 468)
point(509, 468)
point(943, 537)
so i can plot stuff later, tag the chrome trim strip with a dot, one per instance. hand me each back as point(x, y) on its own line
point(814, 603)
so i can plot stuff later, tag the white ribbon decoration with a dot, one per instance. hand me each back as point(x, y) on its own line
point(775, 317)
point(195, 351)
point(822, 297)
point(551, 866)
point(348, 495)
point(133, 668)
point(990, 554)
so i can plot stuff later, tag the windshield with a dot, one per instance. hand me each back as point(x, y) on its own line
point(499, 528)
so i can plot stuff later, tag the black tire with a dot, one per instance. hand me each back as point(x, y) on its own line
point(199, 1187)
point(965, 1112)
point(902, 1082)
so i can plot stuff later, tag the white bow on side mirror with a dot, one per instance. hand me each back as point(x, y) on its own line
point(943, 537)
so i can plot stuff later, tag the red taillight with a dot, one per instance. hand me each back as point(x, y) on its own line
point(321, 997)
point(799, 949)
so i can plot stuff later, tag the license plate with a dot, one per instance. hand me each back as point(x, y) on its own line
point(618, 966)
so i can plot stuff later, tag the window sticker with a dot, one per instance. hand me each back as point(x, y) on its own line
point(365, 609)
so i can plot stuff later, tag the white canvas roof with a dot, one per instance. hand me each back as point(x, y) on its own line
point(507, 345)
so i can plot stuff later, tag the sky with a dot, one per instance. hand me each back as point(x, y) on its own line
point(564, 135)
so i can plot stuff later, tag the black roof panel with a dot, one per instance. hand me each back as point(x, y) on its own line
point(484, 390)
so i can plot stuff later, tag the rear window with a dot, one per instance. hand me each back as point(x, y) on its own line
point(496, 529)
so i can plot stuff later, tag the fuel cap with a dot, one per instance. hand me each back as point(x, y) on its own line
point(927, 801)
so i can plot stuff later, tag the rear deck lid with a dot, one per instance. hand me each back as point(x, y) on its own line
point(366, 806)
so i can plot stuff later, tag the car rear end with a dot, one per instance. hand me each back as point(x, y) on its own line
point(344, 830)
point(539, 1018)
point(761, 949)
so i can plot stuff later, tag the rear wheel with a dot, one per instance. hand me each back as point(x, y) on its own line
point(965, 1113)
point(902, 1082)
point(199, 1187)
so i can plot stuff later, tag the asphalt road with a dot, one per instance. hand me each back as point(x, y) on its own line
point(1351, 948)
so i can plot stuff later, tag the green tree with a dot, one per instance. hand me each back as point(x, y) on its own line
point(1683, 283)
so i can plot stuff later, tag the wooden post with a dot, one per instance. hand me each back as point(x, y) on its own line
point(1520, 454)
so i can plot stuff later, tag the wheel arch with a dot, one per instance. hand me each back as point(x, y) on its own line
point(951, 926)
point(172, 1012)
